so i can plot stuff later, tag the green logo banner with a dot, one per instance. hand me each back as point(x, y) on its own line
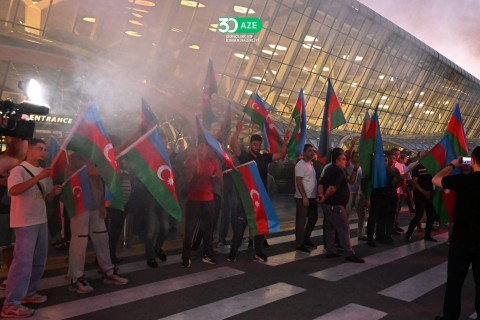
point(239, 25)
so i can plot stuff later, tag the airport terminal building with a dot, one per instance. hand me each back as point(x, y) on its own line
point(114, 52)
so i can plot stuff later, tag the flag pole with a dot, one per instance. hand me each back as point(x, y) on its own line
point(124, 151)
point(70, 178)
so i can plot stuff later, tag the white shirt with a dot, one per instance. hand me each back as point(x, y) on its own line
point(355, 187)
point(306, 171)
point(28, 208)
point(399, 166)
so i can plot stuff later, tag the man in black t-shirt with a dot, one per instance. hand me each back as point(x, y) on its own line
point(334, 201)
point(262, 160)
point(422, 196)
point(465, 239)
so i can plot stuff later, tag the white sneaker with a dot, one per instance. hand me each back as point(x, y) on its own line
point(16, 311)
point(81, 286)
point(115, 279)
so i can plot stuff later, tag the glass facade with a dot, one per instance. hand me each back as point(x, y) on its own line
point(114, 52)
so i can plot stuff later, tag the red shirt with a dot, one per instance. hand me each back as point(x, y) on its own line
point(200, 187)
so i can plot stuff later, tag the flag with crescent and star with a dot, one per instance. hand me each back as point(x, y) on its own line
point(261, 216)
point(214, 144)
point(77, 195)
point(255, 108)
point(89, 138)
point(148, 159)
point(299, 133)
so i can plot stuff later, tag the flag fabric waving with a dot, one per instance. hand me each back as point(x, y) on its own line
point(77, 195)
point(456, 132)
point(214, 144)
point(299, 133)
point(148, 160)
point(209, 87)
point(148, 117)
point(261, 216)
point(332, 118)
point(255, 108)
point(61, 162)
point(89, 138)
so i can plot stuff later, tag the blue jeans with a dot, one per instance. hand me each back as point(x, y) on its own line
point(29, 259)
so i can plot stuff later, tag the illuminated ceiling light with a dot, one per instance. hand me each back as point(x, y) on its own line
point(446, 102)
point(284, 94)
point(133, 33)
point(366, 101)
point(213, 27)
point(410, 116)
point(140, 10)
point(383, 106)
point(194, 46)
point(89, 19)
point(392, 79)
point(248, 91)
point(381, 77)
point(241, 56)
point(278, 47)
point(176, 30)
point(193, 4)
point(240, 9)
point(137, 15)
point(422, 93)
point(270, 52)
point(274, 72)
point(325, 69)
point(257, 78)
point(429, 112)
point(145, 3)
point(420, 105)
point(410, 92)
point(304, 69)
point(345, 57)
point(354, 84)
point(135, 22)
point(384, 98)
point(358, 58)
point(310, 38)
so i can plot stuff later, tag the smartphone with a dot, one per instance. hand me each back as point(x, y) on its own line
point(467, 160)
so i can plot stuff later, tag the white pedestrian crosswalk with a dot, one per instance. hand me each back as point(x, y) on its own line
point(253, 297)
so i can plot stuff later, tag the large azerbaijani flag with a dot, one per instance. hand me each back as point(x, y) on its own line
point(214, 144)
point(89, 138)
point(209, 87)
point(261, 216)
point(77, 195)
point(58, 166)
point(456, 133)
point(255, 108)
point(332, 118)
point(299, 133)
point(148, 160)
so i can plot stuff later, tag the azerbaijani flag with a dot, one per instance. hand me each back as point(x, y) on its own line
point(299, 133)
point(148, 160)
point(58, 166)
point(261, 216)
point(209, 87)
point(456, 133)
point(77, 195)
point(332, 118)
point(214, 144)
point(148, 117)
point(255, 108)
point(89, 138)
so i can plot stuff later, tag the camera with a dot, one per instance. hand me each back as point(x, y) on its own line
point(11, 122)
point(466, 160)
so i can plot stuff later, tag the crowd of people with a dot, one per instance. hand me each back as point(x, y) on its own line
point(209, 198)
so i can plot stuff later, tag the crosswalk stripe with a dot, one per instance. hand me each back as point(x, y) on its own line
point(116, 298)
point(418, 285)
point(235, 305)
point(349, 269)
point(353, 311)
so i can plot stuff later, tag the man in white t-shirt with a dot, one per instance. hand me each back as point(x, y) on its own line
point(29, 185)
point(305, 200)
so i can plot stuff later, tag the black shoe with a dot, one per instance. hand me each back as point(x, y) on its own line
point(186, 263)
point(364, 238)
point(161, 255)
point(310, 244)
point(430, 239)
point(332, 255)
point(371, 243)
point(265, 244)
point(408, 238)
point(261, 257)
point(303, 249)
point(353, 258)
point(152, 263)
point(250, 243)
point(231, 257)
point(399, 229)
point(396, 233)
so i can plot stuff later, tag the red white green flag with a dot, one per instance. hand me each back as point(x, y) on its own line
point(148, 160)
point(299, 133)
point(77, 195)
point(332, 118)
point(89, 138)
